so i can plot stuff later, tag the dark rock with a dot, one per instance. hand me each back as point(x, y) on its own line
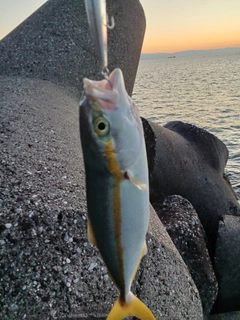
point(227, 265)
point(26, 224)
point(2, 228)
point(182, 224)
point(60, 216)
point(163, 280)
point(189, 161)
point(54, 44)
point(11, 238)
point(226, 316)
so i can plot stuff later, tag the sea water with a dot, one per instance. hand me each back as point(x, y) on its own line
point(204, 91)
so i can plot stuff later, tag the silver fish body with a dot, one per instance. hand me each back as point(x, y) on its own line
point(97, 19)
point(117, 184)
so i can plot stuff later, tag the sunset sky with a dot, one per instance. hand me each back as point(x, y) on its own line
point(172, 25)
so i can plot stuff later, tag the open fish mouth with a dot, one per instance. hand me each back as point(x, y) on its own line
point(107, 91)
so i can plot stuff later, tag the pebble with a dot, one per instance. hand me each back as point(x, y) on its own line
point(76, 280)
point(66, 237)
point(68, 260)
point(31, 214)
point(92, 266)
point(68, 284)
point(40, 229)
point(8, 225)
point(80, 224)
point(14, 307)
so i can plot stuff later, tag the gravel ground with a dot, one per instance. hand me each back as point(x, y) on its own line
point(43, 208)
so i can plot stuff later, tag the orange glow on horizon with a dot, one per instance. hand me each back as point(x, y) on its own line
point(174, 26)
point(163, 44)
point(165, 48)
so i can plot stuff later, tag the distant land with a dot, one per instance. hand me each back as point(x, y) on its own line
point(189, 53)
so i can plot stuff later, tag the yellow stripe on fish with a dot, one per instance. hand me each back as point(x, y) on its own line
point(118, 176)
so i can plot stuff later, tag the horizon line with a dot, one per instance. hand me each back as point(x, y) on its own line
point(175, 52)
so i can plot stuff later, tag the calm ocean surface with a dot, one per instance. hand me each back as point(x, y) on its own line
point(204, 91)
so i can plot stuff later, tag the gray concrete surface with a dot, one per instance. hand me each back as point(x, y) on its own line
point(184, 227)
point(226, 316)
point(165, 280)
point(48, 268)
point(189, 161)
point(227, 264)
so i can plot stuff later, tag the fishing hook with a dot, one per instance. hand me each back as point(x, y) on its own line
point(105, 73)
point(112, 25)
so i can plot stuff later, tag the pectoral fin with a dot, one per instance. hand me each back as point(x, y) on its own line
point(133, 308)
point(91, 237)
point(137, 183)
point(144, 250)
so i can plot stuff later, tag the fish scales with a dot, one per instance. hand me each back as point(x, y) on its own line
point(117, 185)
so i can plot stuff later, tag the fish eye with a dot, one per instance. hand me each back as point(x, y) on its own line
point(101, 126)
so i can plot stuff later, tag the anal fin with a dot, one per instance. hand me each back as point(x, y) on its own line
point(144, 250)
point(91, 237)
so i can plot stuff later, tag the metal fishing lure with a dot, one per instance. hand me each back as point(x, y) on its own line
point(98, 22)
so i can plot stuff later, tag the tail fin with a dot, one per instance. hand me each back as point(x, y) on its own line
point(133, 308)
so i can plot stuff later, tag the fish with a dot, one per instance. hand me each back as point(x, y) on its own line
point(117, 187)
